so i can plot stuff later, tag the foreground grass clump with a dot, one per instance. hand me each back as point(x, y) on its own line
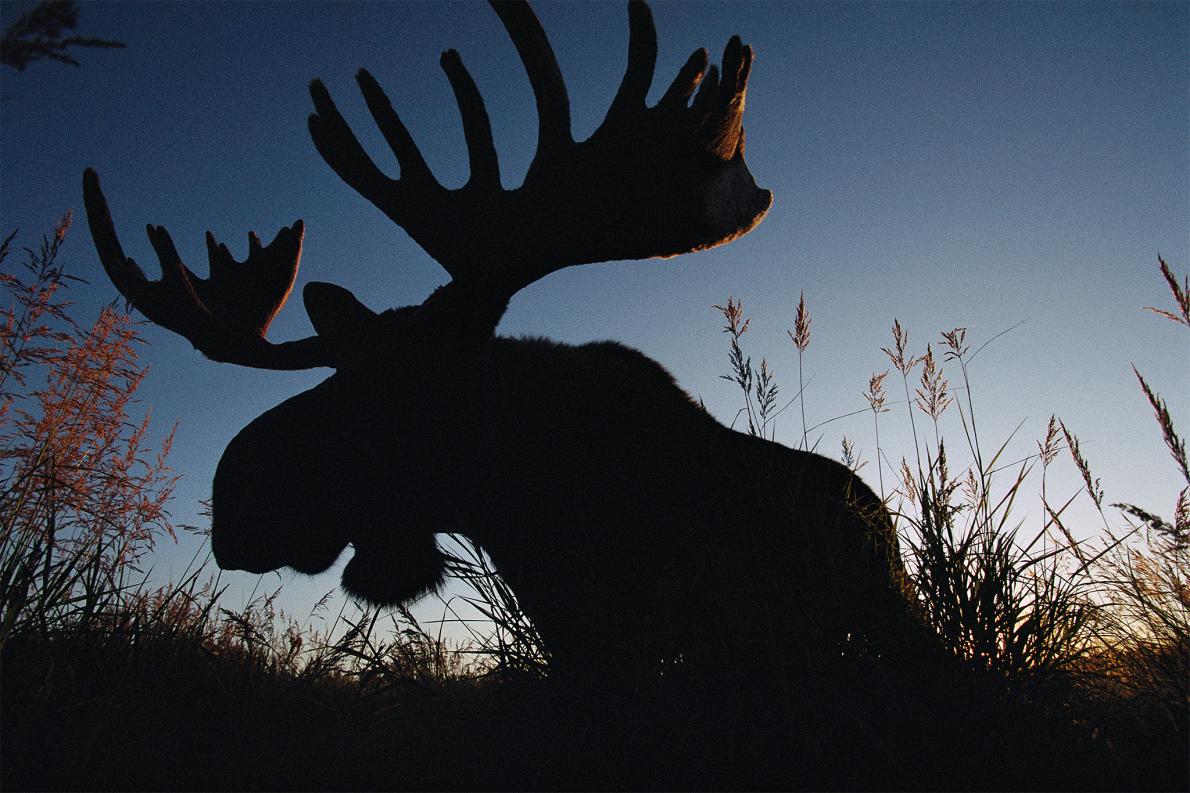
point(1096, 631)
point(1070, 657)
point(82, 499)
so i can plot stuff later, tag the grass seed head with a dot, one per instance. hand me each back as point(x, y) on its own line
point(934, 394)
point(1181, 296)
point(1176, 446)
point(733, 312)
point(954, 339)
point(897, 354)
point(909, 481)
point(875, 392)
point(1048, 449)
point(800, 335)
point(1093, 488)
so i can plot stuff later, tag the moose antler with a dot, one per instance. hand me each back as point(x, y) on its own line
point(225, 316)
point(656, 181)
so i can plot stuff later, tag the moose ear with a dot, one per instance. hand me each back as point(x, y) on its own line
point(335, 312)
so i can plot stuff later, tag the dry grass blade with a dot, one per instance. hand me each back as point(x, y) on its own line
point(1176, 446)
point(507, 635)
point(1093, 487)
point(1181, 296)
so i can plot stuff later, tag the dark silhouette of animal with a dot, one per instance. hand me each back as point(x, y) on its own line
point(636, 530)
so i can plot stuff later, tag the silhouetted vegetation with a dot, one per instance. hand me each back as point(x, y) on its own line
point(81, 498)
point(712, 610)
point(1094, 632)
point(1072, 654)
point(38, 35)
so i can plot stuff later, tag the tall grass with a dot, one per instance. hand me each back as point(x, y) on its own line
point(505, 635)
point(83, 500)
point(1109, 615)
point(1145, 573)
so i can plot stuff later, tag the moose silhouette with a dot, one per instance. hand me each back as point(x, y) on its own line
point(636, 530)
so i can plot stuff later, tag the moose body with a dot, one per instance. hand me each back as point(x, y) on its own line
point(634, 528)
point(650, 533)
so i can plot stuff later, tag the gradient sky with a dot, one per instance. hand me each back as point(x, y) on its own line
point(976, 165)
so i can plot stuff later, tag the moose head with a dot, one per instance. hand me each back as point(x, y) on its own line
point(595, 484)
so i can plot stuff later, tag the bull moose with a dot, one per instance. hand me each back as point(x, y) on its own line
point(635, 529)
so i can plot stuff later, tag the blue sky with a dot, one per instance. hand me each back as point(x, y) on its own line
point(976, 165)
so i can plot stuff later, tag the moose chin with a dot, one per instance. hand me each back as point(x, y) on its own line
point(625, 517)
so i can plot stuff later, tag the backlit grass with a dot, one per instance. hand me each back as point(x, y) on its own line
point(1071, 655)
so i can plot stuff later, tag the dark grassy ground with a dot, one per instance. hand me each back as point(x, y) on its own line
point(81, 715)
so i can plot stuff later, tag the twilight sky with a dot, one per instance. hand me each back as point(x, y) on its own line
point(977, 165)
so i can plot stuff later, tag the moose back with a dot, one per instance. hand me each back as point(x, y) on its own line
point(635, 529)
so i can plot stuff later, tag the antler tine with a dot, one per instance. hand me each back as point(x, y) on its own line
point(123, 271)
point(708, 93)
point(737, 66)
point(477, 128)
point(225, 316)
point(342, 151)
point(549, 89)
point(413, 166)
point(684, 83)
point(642, 61)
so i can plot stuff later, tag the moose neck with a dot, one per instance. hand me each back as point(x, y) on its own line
point(462, 316)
